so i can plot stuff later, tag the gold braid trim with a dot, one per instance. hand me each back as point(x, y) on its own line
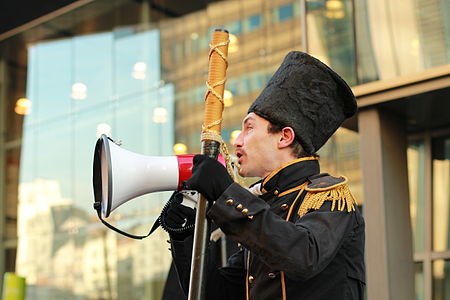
point(211, 136)
point(207, 133)
point(339, 194)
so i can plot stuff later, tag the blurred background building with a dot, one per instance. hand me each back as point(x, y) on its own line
point(135, 70)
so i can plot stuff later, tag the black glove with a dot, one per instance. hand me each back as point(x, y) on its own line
point(178, 220)
point(209, 177)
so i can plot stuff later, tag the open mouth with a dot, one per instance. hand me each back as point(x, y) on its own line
point(239, 154)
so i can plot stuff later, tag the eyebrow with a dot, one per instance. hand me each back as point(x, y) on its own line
point(247, 119)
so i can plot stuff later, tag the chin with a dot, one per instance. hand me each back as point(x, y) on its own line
point(242, 172)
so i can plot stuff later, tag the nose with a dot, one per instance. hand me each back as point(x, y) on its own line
point(238, 141)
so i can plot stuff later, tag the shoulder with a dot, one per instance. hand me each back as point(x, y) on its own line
point(324, 181)
point(325, 187)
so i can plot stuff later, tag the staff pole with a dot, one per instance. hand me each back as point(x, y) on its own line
point(211, 144)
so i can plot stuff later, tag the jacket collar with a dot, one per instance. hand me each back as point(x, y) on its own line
point(290, 175)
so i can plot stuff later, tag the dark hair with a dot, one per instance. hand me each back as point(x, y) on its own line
point(297, 148)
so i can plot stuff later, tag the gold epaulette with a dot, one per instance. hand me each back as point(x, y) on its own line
point(328, 188)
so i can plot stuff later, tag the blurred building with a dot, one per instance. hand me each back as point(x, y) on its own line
point(135, 70)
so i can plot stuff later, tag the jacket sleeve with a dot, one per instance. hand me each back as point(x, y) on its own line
point(221, 283)
point(301, 249)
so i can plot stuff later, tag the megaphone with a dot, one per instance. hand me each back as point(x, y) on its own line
point(120, 175)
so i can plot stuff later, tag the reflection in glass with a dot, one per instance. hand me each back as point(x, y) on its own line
point(63, 250)
point(416, 177)
point(160, 115)
point(441, 193)
point(390, 46)
point(139, 70)
point(103, 128)
point(23, 106)
point(330, 35)
point(441, 280)
point(179, 149)
point(234, 43)
point(79, 91)
point(227, 98)
point(144, 48)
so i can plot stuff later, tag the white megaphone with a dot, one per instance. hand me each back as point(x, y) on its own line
point(120, 175)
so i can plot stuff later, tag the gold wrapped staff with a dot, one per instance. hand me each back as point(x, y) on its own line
point(212, 143)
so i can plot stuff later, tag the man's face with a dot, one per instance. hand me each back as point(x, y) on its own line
point(255, 147)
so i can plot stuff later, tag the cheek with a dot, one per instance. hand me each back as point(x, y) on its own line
point(252, 143)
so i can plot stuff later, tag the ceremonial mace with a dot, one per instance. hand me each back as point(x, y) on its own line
point(212, 143)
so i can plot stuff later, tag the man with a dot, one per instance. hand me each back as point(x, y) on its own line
point(301, 232)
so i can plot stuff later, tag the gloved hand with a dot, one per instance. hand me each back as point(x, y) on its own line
point(209, 177)
point(178, 220)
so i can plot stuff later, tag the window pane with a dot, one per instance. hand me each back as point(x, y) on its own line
point(254, 22)
point(63, 250)
point(390, 46)
point(419, 281)
point(235, 27)
point(441, 280)
point(330, 35)
point(441, 193)
point(416, 163)
point(286, 12)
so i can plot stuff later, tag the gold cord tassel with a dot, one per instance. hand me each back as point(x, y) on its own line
point(340, 196)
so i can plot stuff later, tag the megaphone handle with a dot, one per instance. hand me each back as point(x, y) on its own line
point(97, 207)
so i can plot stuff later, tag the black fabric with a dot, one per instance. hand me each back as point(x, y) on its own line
point(321, 254)
point(308, 96)
point(172, 288)
point(288, 177)
point(209, 177)
point(222, 282)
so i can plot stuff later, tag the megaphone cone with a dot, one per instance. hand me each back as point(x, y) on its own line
point(120, 175)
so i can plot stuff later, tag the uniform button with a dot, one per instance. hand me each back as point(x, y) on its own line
point(275, 192)
point(245, 211)
point(251, 278)
point(284, 206)
point(230, 202)
point(239, 207)
point(271, 275)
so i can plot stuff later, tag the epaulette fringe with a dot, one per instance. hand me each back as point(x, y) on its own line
point(340, 196)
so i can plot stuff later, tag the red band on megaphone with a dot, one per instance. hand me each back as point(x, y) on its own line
point(185, 167)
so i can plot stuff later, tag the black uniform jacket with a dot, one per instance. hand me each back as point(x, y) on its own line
point(317, 256)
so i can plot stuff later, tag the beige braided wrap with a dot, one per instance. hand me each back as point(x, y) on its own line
point(214, 104)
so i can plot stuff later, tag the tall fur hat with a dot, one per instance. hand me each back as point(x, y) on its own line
point(308, 96)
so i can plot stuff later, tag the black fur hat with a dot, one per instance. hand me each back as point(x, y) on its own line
point(308, 96)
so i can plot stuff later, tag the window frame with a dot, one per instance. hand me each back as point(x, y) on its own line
point(429, 255)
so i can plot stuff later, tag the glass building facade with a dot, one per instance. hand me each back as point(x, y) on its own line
point(136, 71)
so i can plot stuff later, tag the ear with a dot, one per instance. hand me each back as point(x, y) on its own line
point(287, 136)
